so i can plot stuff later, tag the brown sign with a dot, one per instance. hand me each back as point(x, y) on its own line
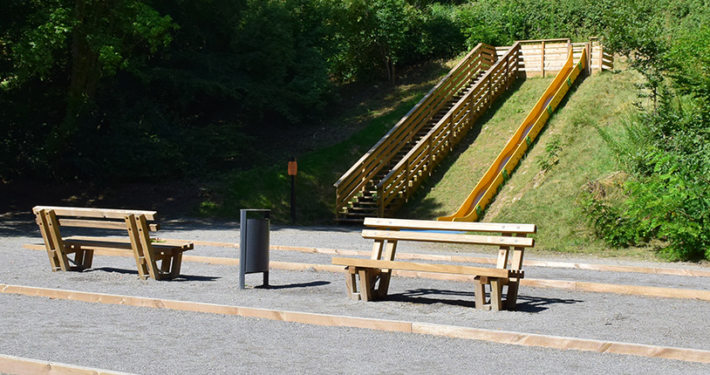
point(292, 168)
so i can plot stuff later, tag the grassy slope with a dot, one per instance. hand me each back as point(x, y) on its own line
point(456, 176)
point(268, 186)
point(549, 199)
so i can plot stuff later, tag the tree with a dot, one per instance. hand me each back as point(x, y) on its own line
point(85, 41)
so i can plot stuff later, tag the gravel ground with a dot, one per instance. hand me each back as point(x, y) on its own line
point(120, 337)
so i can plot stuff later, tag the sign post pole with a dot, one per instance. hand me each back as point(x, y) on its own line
point(292, 171)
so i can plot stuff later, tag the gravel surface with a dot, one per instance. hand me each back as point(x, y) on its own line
point(143, 340)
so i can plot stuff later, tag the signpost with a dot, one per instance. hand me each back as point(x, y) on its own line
point(292, 171)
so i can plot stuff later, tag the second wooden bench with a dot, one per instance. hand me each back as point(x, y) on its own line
point(137, 224)
point(374, 273)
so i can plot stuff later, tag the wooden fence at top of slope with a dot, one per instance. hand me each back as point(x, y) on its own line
point(388, 174)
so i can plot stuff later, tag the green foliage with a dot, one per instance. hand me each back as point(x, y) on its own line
point(667, 196)
point(609, 222)
point(550, 158)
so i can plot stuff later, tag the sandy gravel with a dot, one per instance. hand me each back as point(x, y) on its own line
point(147, 341)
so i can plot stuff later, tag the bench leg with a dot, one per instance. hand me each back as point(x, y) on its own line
point(496, 291)
point(177, 263)
point(384, 284)
point(83, 258)
point(165, 264)
point(365, 285)
point(512, 295)
point(351, 283)
point(480, 294)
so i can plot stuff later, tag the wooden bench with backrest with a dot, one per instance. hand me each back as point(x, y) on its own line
point(374, 273)
point(137, 224)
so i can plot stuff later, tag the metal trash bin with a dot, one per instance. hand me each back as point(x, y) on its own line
point(254, 244)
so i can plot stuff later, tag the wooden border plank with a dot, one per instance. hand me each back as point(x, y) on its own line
point(210, 308)
point(563, 343)
point(502, 337)
point(24, 366)
point(647, 291)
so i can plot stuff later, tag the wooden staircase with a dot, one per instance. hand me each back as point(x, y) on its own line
point(384, 178)
point(366, 204)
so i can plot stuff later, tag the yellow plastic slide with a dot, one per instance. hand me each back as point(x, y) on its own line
point(473, 207)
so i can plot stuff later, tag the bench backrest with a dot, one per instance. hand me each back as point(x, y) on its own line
point(98, 218)
point(136, 223)
point(512, 235)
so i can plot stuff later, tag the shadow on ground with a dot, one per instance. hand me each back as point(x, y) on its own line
point(433, 296)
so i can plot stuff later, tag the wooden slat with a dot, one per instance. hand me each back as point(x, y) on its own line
point(104, 213)
point(55, 234)
point(175, 244)
point(48, 242)
point(422, 267)
point(449, 238)
point(141, 236)
point(120, 225)
point(116, 245)
point(449, 225)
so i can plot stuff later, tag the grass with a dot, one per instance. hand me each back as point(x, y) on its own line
point(570, 154)
point(545, 188)
point(453, 180)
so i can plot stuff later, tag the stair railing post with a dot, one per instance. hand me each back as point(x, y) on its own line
point(381, 200)
point(408, 180)
point(489, 77)
point(542, 59)
point(450, 136)
point(507, 72)
point(429, 160)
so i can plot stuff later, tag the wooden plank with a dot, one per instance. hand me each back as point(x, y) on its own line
point(677, 293)
point(105, 213)
point(26, 366)
point(386, 274)
point(423, 267)
point(458, 332)
point(126, 242)
point(48, 242)
point(142, 237)
point(280, 315)
point(377, 249)
point(120, 225)
point(561, 343)
point(59, 250)
point(496, 294)
point(449, 225)
point(136, 246)
point(449, 238)
point(365, 285)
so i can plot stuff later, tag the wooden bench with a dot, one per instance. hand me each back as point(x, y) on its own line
point(137, 224)
point(374, 273)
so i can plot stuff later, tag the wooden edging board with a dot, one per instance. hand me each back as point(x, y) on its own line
point(457, 258)
point(647, 291)
point(483, 260)
point(25, 366)
point(502, 337)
